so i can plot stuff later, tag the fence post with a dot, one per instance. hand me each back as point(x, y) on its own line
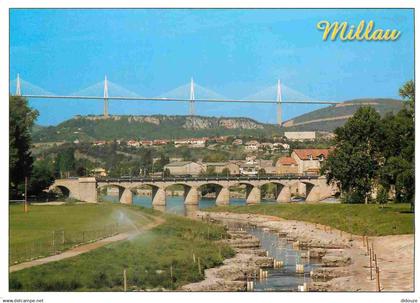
point(125, 279)
point(378, 283)
point(63, 240)
point(367, 244)
point(172, 277)
point(53, 241)
point(370, 263)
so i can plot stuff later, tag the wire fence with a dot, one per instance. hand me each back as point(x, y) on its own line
point(58, 241)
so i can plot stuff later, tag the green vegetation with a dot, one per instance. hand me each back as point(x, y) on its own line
point(148, 127)
point(21, 120)
point(371, 219)
point(48, 229)
point(371, 150)
point(347, 108)
point(148, 259)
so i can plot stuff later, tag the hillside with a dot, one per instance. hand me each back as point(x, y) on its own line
point(89, 128)
point(331, 117)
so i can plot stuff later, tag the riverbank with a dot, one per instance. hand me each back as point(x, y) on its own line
point(343, 255)
point(360, 219)
point(233, 274)
point(172, 254)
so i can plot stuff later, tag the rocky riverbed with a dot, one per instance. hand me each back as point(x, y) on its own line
point(232, 275)
point(343, 257)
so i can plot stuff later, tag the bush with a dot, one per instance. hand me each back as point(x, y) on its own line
point(382, 195)
point(353, 197)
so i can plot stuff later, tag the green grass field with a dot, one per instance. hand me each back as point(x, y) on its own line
point(148, 259)
point(371, 219)
point(48, 229)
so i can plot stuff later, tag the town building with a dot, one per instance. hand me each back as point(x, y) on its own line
point(286, 165)
point(252, 145)
point(160, 142)
point(248, 169)
point(232, 167)
point(146, 143)
point(99, 143)
point(267, 166)
point(133, 143)
point(309, 161)
point(300, 136)
point(197, 142)
point(99, 172)
point(192, 142)
point(184, 168)
point(237, 142)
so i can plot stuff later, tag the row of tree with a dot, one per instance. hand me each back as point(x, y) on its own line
point(374, 154)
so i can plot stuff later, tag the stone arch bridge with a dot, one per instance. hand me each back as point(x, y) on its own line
point(313, 188)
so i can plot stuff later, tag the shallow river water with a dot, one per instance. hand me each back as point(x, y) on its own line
point(284, 278)
point(279, 279)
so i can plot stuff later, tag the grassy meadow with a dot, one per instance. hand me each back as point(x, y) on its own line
point(168, 256)
point(360, 219)
point(49, 229)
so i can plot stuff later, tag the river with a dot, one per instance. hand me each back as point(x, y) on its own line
point(175, 204)
point(279, 279)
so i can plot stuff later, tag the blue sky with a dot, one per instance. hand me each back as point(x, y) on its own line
point(235, 53)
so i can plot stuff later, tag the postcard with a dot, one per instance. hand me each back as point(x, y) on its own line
point(156, 151)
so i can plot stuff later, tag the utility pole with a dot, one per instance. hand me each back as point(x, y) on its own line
point(106, 113)
point(25, 207)
point(279, 101)
point(18, 91)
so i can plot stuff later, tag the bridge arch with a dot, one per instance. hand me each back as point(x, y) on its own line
point(282, 192)
point(125, 194)
point(68, 187)
point(252, 190)
point(158, 194)
point(312, 191)
point(222, 192)
point(65, 191)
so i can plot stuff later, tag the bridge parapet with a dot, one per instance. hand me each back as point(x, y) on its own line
point(313, 187)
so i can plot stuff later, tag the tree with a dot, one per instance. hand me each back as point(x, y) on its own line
point(42, 177)
point(166, 173)
point(66, 162)
point(354, 162)
point(382, 195)
point(147, 161)
point(398, 168)
point(159, 164)
point(262, 172)
point(376, 152)
point(226, 172)
point(21, 121)
point(210, 171)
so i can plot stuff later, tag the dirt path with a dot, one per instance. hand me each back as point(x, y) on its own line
point(395, 253)
point(87, 247)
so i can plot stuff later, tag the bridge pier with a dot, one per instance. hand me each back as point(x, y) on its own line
point(190, 195)
point(312, 193)
point(158, 196)
point(127, 196)
point(86, 190)
point(283, 193)
point(223, 196)
point(253, 194)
